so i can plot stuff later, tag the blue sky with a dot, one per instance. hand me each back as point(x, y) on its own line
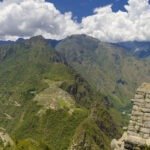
point(106, 20)
point(83, 8)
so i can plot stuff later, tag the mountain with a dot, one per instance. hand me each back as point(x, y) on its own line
point(6, 42)
point(139, 49)
point(46, 105)
point(108, 68)
point(59, 95)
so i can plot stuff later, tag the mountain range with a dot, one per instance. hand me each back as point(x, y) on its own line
point(109, 68)
point(139, 49)
point(72, 94)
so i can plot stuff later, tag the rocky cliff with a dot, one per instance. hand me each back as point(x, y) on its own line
point(137, 136)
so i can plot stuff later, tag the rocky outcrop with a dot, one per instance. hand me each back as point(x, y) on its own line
point(137, 136)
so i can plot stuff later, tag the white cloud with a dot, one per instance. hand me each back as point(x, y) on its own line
point(26, 18)
point(120, 26)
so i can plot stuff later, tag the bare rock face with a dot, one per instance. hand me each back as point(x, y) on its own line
point(137, 136)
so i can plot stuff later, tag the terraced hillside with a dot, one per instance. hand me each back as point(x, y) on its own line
point(46, 105)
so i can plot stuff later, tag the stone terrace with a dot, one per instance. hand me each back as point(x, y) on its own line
point(138, 133)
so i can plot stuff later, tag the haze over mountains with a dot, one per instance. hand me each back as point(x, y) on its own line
point(67, 94)
point(140, 49)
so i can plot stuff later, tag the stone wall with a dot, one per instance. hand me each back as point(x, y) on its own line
point(138, 134)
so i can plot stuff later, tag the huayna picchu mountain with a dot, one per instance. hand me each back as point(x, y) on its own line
point(65, 95)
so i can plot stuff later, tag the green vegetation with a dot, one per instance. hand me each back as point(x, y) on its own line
point(33, 78)
point(46, 104)
point(107, 68)
point(147, 148)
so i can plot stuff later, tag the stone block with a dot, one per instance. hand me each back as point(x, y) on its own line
point(147, 105)
point(145, 118)
point(139, 96)
point(134, 118)
point(145, 110)
point(148, 142)
point(145, 130)
point(147, 114)
point(147, 100)
point(148, 96)
point(146, 124)
point(136, 140)
point(133, 133)
point(146, 136)
point(136, 108)
point(137, 113)
point(139, 100)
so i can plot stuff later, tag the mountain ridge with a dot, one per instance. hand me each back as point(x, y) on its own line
point(139, 49)
point(32, 70)
point(105, 65)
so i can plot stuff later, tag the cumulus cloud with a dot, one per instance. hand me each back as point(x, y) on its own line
point(26, 18)
point(120, 26)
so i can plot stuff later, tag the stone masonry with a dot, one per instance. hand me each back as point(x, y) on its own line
point(137, 136)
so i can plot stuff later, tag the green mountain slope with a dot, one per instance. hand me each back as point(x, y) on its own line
point(106, 66)
point(46, 105)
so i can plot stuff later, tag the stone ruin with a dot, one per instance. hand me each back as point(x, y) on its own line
point(137, 136)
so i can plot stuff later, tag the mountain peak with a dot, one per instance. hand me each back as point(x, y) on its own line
point(37, 38)
point(36, 41)
point(82, 36)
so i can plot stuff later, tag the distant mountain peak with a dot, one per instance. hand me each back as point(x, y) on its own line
point(37, 38)
point(82, 36)
point(139, 49)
